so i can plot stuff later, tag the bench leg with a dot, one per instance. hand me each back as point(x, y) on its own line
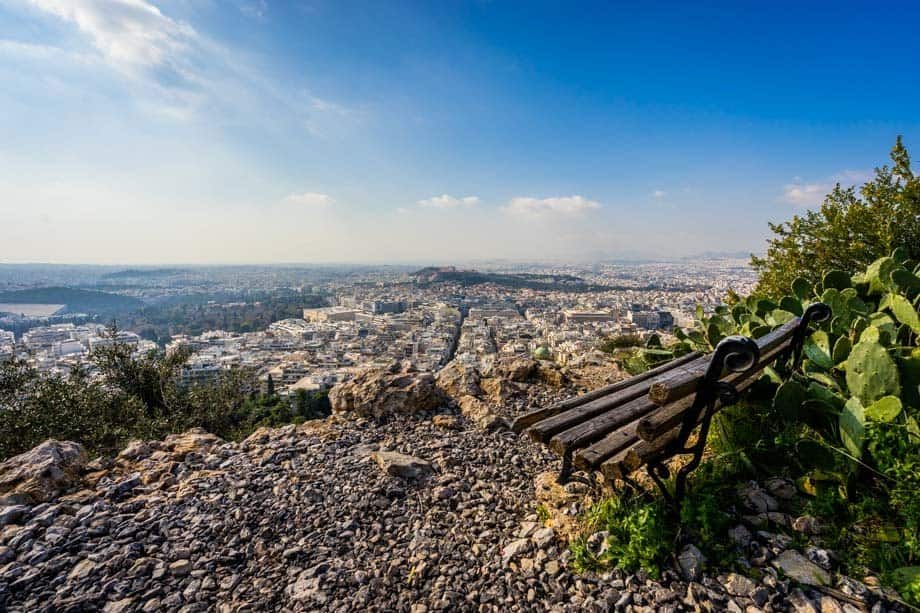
point(565, 473)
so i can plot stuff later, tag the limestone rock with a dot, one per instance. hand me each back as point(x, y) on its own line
point(691, 561)
point(498, 390)
point(42, 473)
point(457, 380)
point(135, 451)
point(780, 488)
point(758, 500)
point(807, 524)
point(516, 369)
point(800, 569)
point(447, 422)
point(739, 585)
point(401, 465)
point(398, 389)
point(196, 440)
point(478, 411)
point(550, 374)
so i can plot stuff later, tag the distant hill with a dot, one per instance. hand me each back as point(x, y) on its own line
point(77, 300)
point(134, 273)
point(517, 280)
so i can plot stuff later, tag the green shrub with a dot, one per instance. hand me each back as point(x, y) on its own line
point(641, 534)
point(848, 231)
point(845, 421)
point(135, 397)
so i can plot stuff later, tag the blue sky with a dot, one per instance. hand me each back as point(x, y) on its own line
point(143, 131)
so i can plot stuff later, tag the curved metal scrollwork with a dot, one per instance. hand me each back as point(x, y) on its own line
point(818, 313)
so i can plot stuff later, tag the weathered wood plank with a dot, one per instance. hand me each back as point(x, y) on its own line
point(595, 428)
point(528, 419)
point(684, 381)
point(592, 456)
point(641, 452)
point(657, 423)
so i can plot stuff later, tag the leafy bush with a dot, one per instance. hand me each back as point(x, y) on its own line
point(135, 397)
point(848, 232)
point(641, 534)
point(847, 416)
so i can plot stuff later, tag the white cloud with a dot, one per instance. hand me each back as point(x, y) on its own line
point(806, 195)
point(310, 199)
point(563, 205)
point(129, 33)
point(445, 201)
point(659, 194)
point(174, 71)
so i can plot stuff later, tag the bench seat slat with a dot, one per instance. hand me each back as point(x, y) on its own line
point(642, 452)
point(686, 380)
point(597, 427)
point(544, 430)
point(528, 419)
point(657, 423)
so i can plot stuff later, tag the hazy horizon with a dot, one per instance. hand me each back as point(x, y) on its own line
point(167, 132)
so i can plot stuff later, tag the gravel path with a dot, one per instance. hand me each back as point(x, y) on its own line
point(309, 521)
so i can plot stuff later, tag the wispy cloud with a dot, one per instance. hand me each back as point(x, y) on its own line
point(129, 33)
point(658, 194)
point(310, 199)
point(172, 70)
point(563, 205)
point(803, 194)
point(444, 201)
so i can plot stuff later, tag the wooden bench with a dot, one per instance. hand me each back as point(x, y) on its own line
point(646, 420)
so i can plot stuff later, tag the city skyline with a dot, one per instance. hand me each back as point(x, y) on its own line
point(146, 132)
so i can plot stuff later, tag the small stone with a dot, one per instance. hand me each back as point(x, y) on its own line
point(739, 585)
point(740, 535)
point(691, 562)
point(552, 568)
point(808, 524)
point(543, 537)
point(760, 596)
point(180, 568)
point(118, 606)
point(447, 422)
point(12, 514)
point(829, 605)
point(780, 488)
point(401, 465)
point(800, 603)
point(514, 549)
point(800, 569)
point(81, 570)
point(758, 500)
point(822, 557)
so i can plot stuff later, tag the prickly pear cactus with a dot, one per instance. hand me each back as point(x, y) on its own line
point(871, 373)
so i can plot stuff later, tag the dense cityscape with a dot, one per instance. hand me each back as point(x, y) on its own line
point(368, 317)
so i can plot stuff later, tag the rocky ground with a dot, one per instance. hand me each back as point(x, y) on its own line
point(415, 513)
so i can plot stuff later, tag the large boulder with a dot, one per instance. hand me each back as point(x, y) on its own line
point(457, 380)
point(515, 369)
point(196, 440)
point(479, 412)
point(399, 388)
point(550, 374)
point(499, 391)
point(41, 474)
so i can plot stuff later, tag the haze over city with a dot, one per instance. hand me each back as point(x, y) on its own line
point(135, 131)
